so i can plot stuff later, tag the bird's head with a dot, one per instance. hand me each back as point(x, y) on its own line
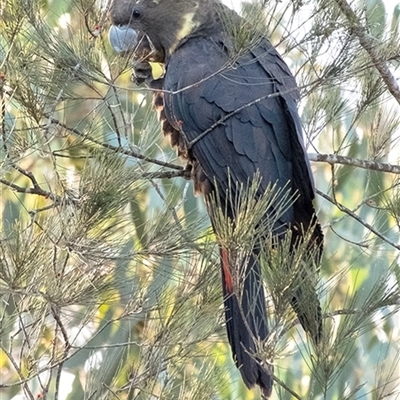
point(159, 24)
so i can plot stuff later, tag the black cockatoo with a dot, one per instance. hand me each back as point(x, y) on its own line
point(231, 110)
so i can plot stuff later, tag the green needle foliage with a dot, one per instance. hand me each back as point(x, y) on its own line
point(109, 272)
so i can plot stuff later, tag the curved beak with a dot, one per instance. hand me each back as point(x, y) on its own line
point(123, 39)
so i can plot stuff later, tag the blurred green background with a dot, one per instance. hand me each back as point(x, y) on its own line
point(109, 272)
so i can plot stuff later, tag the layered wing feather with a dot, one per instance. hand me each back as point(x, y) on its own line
point(254, 99)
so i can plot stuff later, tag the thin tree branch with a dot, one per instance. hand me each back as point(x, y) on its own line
point(23, 381)
point(32, 190)
point(286, 387)
point(164, 174)
point(355, 162)
point(118, 149)
point(352, 214)
point(233, 113)
point(67, 347)
point(369, 45)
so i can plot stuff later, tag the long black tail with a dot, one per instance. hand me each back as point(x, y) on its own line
point(305, 301)
point(246, 321)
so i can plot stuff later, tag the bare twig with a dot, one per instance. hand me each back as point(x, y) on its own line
point(352, 214)
point(32, 190)
point(286, 387)
point(233, 113)
point(349, 311)
point(117, 149)
point(111, 391)
point(370, 46)
point(67, 347)
point(355, 162)
point(23, 381)
point(3, 111)
point(164, 174)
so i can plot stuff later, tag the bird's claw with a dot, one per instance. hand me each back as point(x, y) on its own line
point(188, 171)
point(141, 72)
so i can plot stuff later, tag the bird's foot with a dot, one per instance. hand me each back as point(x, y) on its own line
point(188, 171)
point(141, 72)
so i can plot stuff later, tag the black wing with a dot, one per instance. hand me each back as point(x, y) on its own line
point(255, 100)
point(257, 96)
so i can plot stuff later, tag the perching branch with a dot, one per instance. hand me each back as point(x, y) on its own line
point(355, 162)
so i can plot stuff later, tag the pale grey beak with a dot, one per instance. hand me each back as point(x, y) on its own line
point(123, 39)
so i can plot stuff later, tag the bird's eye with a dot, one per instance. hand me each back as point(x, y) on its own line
point(136, 14)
